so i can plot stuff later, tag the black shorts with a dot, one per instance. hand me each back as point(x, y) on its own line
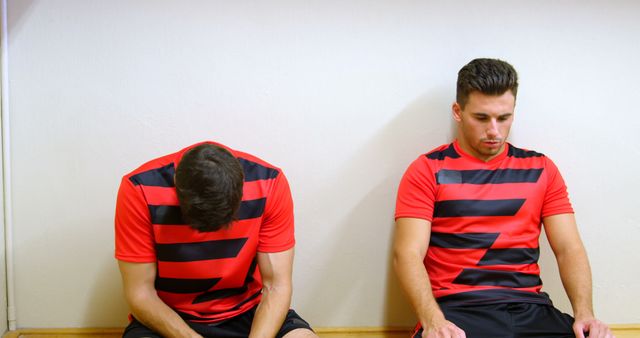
point(236, 327)
point(509, 320)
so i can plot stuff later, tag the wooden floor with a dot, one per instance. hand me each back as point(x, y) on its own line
point(368, 333)
point(322, 335)
point(328, 334)
point(620, 331)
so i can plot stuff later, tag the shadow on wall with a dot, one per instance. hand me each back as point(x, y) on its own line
point(439, 128)
point(17, 12)
point(106, 306)
point(360, 286)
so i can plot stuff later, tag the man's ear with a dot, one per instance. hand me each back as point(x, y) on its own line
point(456, 110)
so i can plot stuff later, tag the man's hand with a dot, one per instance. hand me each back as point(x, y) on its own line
point(140, 293)
point(442, 328)
point(594, 327)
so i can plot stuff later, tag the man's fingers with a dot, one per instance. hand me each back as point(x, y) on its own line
point(448, 331)
point(599, 330)
point(578, 330)
point(460, 333)
point(456, 332)
point(595, 328)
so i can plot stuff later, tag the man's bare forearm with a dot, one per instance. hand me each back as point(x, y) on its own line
point(575, 273)
point(151, 311)
point(271, 312)
point(415, 282)
point(409, 249)
point(141, 295)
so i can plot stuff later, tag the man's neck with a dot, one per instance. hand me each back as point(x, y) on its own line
point(470, 152)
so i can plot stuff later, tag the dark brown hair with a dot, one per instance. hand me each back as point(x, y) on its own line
point(487, 76)
point(209, 183)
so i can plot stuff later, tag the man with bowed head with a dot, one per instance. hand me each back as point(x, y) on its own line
point(468, 220)
point(204, 242)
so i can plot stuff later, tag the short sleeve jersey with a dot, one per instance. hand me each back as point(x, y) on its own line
point(485, 219)
point(203, 276)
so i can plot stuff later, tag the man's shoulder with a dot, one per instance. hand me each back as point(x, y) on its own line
point(442, 152)
point(255, 168)
point(433, 158)
point(163, 167)
point(253, 159)
point(156, 172)
point(523, 152)
point(427, 163)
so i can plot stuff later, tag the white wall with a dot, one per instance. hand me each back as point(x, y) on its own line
point(3, 271)
point(3, 267)
point(342, 94)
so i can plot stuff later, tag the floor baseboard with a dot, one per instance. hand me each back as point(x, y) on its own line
point(620, 331)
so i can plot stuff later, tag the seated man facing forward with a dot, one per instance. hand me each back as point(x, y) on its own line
point(468, 220)
point(204, 241)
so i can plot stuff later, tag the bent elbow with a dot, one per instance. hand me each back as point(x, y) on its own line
point(278, 291)
point(137, 298)
point(406, 257)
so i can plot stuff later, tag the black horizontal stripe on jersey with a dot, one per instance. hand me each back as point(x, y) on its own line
point(254, 171)
point(166, 215)
point(467, 208)
point(199, 251)
point(219, 294)
point(229, 292)
point(463, 240)
point(251, 208)
point(440, 155)
point(250, 298)
point(512, 256)
point(185, 285)
point(172, 215)
point(187, 316)
point(494, 296)
point(497, 278)
point(159, 177)
point(521, 153)
point(498, 176)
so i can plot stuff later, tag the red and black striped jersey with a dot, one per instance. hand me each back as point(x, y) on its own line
point(485, 219)
point(203, 276)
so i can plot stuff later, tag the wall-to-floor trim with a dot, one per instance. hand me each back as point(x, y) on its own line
point(92, 332)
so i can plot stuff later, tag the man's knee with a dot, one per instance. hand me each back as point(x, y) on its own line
point(300, 333)
point(135, 329)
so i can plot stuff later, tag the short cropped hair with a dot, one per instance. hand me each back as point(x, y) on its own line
point(487, 76)
point(209, 182)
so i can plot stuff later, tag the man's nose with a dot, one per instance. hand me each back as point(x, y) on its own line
point(492, 129)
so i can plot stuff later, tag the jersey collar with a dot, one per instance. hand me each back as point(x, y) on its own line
point(496, 159)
